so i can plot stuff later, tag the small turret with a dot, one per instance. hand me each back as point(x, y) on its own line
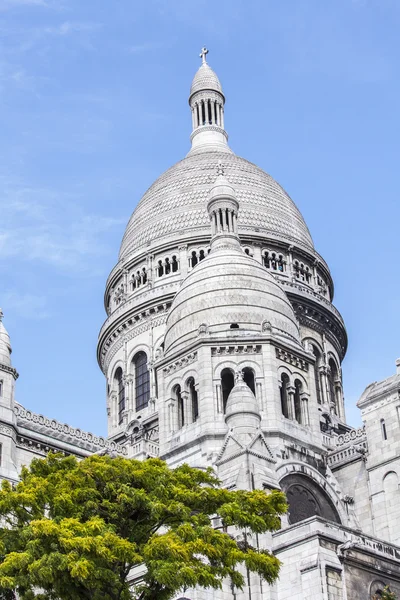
point(242, 412)
point(5, 344)
point(206, 101)
point(223, 210)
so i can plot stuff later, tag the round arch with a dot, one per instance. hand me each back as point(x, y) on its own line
point(307, 499)
point(312, 477)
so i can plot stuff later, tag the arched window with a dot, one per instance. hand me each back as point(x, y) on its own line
point(167, 266)
point(193, 398)
point(266, 260)
point(227, 383)
point(248, 377)
point(284, 395)
point(174, 264)
point(317, 364)
point(1, 388)
point(144, 275)
point(194, 258)
point(202, 255)
point(297, 400)
point(142, 380)
point(180, 406)
point(332, 378)
point(160, 268)
point(120, 385)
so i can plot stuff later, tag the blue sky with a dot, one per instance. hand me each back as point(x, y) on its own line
point(93, 107)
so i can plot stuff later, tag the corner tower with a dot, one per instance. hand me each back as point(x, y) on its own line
point(8, 376)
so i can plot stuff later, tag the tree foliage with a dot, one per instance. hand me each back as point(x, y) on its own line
point(387, 594)
point(75, 530)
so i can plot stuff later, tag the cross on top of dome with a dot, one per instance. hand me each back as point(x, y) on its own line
point(203, 55)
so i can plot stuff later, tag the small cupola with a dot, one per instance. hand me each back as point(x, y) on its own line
point(207, 101)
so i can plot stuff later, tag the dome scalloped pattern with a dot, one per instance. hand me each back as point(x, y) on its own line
point(205, 79)
point(177, 202)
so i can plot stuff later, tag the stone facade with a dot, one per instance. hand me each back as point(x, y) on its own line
point(222, 348)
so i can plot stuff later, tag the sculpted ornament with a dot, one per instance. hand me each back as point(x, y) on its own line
point(239, 375)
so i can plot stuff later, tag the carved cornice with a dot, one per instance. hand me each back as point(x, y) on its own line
point(291, 359)
point(116, 342)
point(180, 363)
point(236, 349)
point(316, 317)
point(11, 370)
point(65, 432)
point(208, 128)
point(7, 430)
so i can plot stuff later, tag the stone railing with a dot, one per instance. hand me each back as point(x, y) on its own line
point(306, 291)
point(66, 433)
point(145, 447)
point(345, 455)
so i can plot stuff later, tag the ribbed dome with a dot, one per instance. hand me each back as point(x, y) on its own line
point(205, 79)
point(241, 401)
point(176, 203)
point(228, 287)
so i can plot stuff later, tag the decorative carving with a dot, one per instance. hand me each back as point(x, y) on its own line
point(291, 359)
point(5, 430)
point(266, 327)
point(180, 363)
point(223, 350)
point(203, 329)
point(239, 376)
point(11, 370)
point(63, 431)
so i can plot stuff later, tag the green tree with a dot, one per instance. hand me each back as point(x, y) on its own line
point(74, 530)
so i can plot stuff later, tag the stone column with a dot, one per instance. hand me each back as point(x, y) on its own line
point(322, 371)
point(220, 407)
point(314, 268)
point(187, 408)
point(290, 396)
point(172, 416)
point(183, 260)
point(305, 418)
point(257, 252)
point(290, 259)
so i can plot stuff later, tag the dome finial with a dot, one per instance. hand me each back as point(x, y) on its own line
point(203, 55)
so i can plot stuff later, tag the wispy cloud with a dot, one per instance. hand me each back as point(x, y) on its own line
point(6, 4)
point(69, 27)
point(27, 306)
point(50, 227)
point(146, 47)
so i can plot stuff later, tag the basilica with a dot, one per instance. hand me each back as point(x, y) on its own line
point(222, 347)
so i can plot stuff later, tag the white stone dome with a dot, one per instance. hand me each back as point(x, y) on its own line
point(176, 204)
point(228, 288)
point(205, 79)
